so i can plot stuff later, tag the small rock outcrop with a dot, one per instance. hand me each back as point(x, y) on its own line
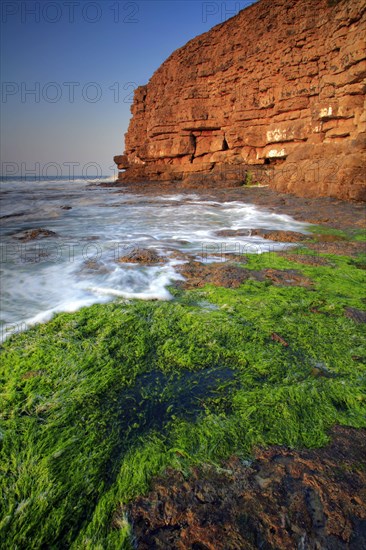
point(33, 234)
point(141, 256)
point(274, 95)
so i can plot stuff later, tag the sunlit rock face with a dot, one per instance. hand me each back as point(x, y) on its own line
point(275, 94)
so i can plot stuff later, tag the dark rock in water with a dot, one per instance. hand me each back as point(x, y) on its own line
point(141, 256)
point(32, 234)
point(92, 266)
point(233, 233)
point(36, 254)
point(284, 499)
point(66, 207)
point(16, 215)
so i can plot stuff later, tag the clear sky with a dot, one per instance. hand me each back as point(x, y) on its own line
point(69, 68)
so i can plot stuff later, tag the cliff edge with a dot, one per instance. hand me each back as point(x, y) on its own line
point(274, 95)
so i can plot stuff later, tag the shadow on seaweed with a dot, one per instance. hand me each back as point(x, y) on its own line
point(156, 399)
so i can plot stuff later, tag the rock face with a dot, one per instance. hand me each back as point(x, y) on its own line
point(274, 95)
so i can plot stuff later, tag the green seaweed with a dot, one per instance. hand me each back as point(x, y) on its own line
point(95, 403)
point(351, 233)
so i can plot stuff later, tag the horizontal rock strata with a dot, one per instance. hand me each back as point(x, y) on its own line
point(274, 95)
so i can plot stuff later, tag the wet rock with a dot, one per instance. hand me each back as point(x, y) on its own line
point(234, 233)
point(306, 259)
point(66, 207)
point(93, 266)
point(360, 264)
point(32, 374)
point(324, 238)
point(229, 275)
point(287, 277)
point(141, 256)
point(35, 255)
point(223, 274)
point(283, 499)
point(277, 338)
point(179, 255)
point(279, 235)
point(236, 258)
point(32, 234)
point(320, 370)
point(16, 215)
point(355, 314)
point(90, 238)
point(339, 248)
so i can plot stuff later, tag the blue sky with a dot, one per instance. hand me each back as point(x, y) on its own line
point(83, 59)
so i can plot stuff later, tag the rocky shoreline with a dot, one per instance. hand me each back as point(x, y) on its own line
point(232, 417)
point(332, 212)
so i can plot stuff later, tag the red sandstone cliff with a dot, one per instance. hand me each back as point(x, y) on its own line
point(277, 91)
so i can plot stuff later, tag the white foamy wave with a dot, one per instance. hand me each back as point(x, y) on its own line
point(94, 227)
point(65, 307)
point(152, 294)
point(108, 179)
point(143, 283)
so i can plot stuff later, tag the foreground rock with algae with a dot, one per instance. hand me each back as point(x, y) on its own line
point(227, 393)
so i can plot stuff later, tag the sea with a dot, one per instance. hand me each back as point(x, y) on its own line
point(88, 227)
